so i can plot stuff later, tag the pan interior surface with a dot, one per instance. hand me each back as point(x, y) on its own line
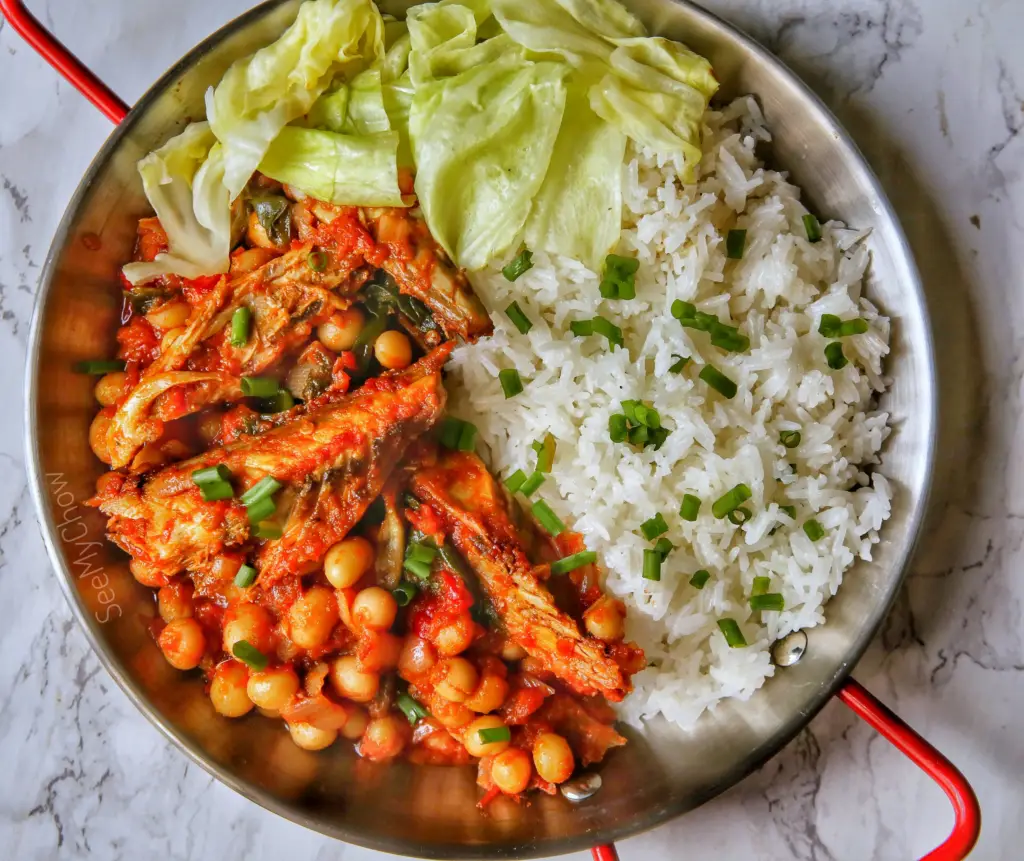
point(431, 812)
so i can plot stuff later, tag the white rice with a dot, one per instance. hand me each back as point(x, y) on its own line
point(776, 294)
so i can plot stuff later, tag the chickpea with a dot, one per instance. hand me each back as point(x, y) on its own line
point(489, 695)
point(511, 771)
point(374, 608)
point(455, 637)
point(604, 620)
point(356, 724)
point(309, 737)
point(174, 601)
point(148, 574)
point(475, 746)
point(351, 682)
point(393, 350)
point(312, 617)
point(273, 688)
point(170, 315)
point(451, 715)
point(342, 330)
point(512, 651)
point(98, 432)
point(227, 690)
point(380, 653)
point(553, 758)
point(457, 679)
point(109, 388)
point(256, 235)
point(225, 566)
point(250, 260)
point(384, 738)
point(347, 561)
point(417, 657)
point(183, 643)
point(251, 623)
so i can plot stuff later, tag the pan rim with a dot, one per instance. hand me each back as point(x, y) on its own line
point(638, 823)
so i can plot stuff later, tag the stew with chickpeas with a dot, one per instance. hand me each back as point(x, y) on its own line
point(325, 544)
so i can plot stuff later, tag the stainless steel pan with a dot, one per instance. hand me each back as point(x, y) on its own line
point(431, 811)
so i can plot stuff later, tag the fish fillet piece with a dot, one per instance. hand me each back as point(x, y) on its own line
point(287, 299)
point(332, 462)
point(461, 490)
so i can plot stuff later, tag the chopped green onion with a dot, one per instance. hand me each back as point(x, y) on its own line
point(421, 553)
point(814, 530)
point(280, 402)
point(245, 577)
point(99, 366)
point(700, 578)
point(421, 570)
point(729, 338)
point(648, 416)
point(732, 633)
point(768, 601)
point(545, 449)
point(677, 366)
point(683, 310)
point(408, 499)
point(609, 330)
point(853, 327)
point(619, 281)
point(834, 356)
point(522, 262)
point(760, 585)
point(829, 325)
point(571, 563)
point(249, 655)
point(654, 527)
point(515, 481)
point(739, 516)
point(511, 385)
point(267, 529)
point(581, 328)
point(260, 387)
point(629, 410)
point(518, 318)
point(412, 710)
point(730, 501)
point(531, 484)
point(467, 437)
point(812, 227)
point(210, 474)
point(734, 243)
point(261, 509)
point(663, 547)
point(639, 435)
point(317, 261)
point(790, 510)
point(718, 381)
point(790, 438)
point(547, 518)
point(493, 734)
point(618, 428)
point(658, 437)
point(451, 427)
point(262, 489)
point(690, 507)
point(652, 565)
point(403, 593)
point(214, 482)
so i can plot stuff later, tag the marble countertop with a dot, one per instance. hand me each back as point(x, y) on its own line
point(933, 92)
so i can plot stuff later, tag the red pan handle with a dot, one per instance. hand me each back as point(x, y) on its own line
point(927, 758)
point(51, 49)
point(965, 803)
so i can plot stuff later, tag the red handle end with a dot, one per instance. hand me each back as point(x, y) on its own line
point(51, 50)
point(605, 853)
point(965, 803)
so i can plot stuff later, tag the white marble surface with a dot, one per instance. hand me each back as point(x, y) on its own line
point(933, 92)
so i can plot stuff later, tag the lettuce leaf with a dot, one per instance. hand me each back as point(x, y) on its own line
point(184, 182)
point(357, 170)
point(261, 94)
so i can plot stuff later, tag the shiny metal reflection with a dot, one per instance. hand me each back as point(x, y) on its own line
point(431, 812)
point(790, 649)
point(581, 788)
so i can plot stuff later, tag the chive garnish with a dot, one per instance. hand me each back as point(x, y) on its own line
point(240, 321)
point(718, 381)
point(652, 565)
point(214, 482)
point(732, 633)
point(618, 428)
point(418, 569)
point(598, 326)
point(814, 530)
point(654, 527)
point(760, 586)
point(532, 483)
point(768, 601)
point(663, 547)
point(834, 356)
point(403, 593)
point(734, 243)
point(677, 366)
point(418, 552)
point(730, 501)
point(457, 435)
point(98, 366)
point(518, 318)
point(467, 437)
point(812, 228)
point(260, 387)
point(619, 281)
point(829, 325)
point(700, 578)
point(245, 577)
point(571, 563)
point(249, 655)
point(739, 516)
point(412, 710)
point(260, 510)
point(545, 449)
point(493, 734)
point(317, 261)
point(515, 481)
point(547, 518)
point(262, 489)
point(790, 438)
point(690, 507)
point(522, 262)
point(511, 385)
point(853, 327)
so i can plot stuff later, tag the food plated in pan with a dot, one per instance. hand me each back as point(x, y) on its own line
point(677, 389)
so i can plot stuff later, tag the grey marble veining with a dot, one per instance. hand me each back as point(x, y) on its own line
point(933, 93)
